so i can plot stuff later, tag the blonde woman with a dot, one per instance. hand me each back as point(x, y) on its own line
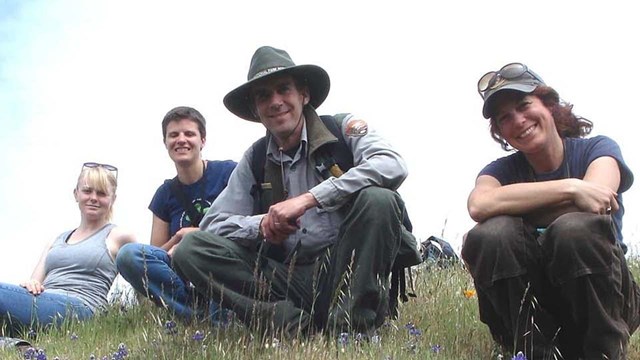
point(76, 269)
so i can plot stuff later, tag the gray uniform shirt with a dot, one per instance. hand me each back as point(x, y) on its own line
point(84, 270)
point(375, 164)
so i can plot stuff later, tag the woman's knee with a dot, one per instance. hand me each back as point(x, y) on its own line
point(496, 249)
point(577, 244)
point(574, 233)
point(127, 253)
point(498, 231)
point(128, 257)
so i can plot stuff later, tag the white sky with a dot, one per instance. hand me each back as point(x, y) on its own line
point(91, 80)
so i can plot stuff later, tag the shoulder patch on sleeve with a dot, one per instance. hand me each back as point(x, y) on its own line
point(356, 128)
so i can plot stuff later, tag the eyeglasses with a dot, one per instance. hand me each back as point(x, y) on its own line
point(494, 79)
point(104, 166)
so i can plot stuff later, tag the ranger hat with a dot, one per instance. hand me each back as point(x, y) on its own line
point(268, 61)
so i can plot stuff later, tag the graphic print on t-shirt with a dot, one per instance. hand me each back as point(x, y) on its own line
point(201, 205)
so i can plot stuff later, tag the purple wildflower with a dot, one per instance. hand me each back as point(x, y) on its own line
point(343, 339)
point(436, 348)
point(198, 336)
point(31, 334)
point(122, 350)
point(170, 327)
point(413, 330)
point(519, 356)
point(30, 353)
point(41, 355)
point(73, 336)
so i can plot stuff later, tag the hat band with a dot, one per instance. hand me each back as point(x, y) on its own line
point(264, 72)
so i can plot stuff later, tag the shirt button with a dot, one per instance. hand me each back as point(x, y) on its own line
point(304, 230)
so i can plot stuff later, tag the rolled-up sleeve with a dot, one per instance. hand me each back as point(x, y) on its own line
point(376, 163)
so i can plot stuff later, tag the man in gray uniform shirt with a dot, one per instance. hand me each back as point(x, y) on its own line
point(300, 249)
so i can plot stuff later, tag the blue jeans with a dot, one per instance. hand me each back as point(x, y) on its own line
point(148, 269)
point(20, 309)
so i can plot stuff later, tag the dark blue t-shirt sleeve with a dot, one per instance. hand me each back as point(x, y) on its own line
point(605, 146)
point(218, 177)
point(158, 205)
point(507, 170)
point(226, 168)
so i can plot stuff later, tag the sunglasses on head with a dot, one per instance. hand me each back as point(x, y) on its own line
point(494, 79)
point(104, 166)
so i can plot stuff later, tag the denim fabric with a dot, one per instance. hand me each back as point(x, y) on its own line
point(19, 309)
point(148, 269)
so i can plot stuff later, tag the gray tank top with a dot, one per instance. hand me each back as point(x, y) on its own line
point(84, 270)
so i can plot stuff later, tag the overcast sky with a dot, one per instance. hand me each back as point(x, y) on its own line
point(91, 80)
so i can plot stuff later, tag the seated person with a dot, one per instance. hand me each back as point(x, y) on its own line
point(76, 270)
point(301, 247)
point(547, 255)
point(177, 206)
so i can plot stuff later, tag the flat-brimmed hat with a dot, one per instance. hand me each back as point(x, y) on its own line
point(266, 62)
point(513, 76)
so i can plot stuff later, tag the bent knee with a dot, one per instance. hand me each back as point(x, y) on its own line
point(377, 196)
point(578, 230)
point(582, 237)
point(127, 255)
point(568, 225)
point(183, 251)
point(494, 232)
point(378, 206)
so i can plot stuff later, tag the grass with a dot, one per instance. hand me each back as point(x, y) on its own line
point(443, 324)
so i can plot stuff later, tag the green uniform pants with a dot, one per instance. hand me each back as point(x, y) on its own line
point(346, 288)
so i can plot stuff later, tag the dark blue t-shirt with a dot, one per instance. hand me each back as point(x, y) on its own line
point(202, 193)
point(579, 153)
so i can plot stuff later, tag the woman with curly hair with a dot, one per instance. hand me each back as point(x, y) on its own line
point(547, 254)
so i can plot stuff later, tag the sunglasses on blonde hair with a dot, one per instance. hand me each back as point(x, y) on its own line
point(107, 167)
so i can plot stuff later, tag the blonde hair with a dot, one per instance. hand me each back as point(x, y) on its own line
point(99, 179)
